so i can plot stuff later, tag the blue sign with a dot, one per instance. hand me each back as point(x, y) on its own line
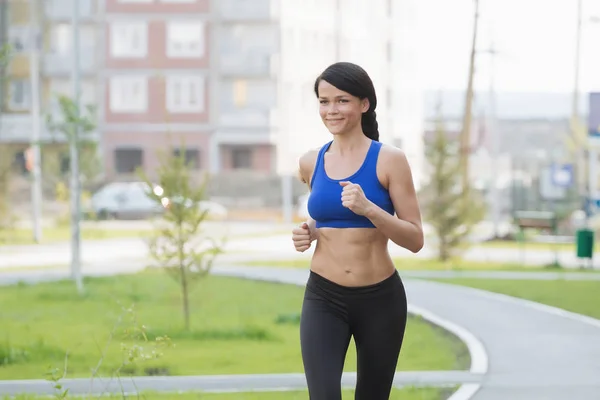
point(562, 175)
point(591, 206)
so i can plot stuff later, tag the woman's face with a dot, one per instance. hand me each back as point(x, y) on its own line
point(340, 111)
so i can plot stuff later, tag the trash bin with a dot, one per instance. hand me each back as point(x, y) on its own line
point(585, 243)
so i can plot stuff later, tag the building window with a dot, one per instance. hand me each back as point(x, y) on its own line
point(185, 94)
point(191, 156)
point(129, 39)
point(241, 158)
point(20, 95)
point(19, 38)
point(185, 39)
point(61, 39)
point(20, 163)
point(240, 92)
point(128, 160)
point(128, 94)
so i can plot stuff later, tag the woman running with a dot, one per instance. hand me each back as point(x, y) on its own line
point(362, 196)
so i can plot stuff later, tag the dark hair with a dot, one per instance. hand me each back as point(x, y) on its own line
point(352, 79)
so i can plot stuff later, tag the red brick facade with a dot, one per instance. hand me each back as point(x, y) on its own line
point(146, 128)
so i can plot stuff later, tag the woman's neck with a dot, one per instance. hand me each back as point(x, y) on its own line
point(350, 142)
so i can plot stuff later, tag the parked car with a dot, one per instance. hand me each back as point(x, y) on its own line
point(125, 200)
point(130, 200)
point(215, 210)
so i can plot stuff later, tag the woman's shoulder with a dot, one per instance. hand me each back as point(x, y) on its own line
point(309, 158)
point(392, 156)
point(307, 162)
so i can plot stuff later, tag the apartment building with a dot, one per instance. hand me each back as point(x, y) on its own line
point(232, 79)
point(157, 82)
point(271, 51)
point(16, 90)
point(54, 65)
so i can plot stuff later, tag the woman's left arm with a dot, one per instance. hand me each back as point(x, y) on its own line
point(405, 229)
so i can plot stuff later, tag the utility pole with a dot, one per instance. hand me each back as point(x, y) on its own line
point(575, 120)
point(465, 138)
point(494, 142)
point(74, 153)
point(35, 153)
point(337, 26)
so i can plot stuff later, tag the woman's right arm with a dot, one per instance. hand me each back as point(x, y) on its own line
point(307, 164)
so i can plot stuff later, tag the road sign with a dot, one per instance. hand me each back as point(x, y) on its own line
point(592, 206)
point(548, 189)
point(562, 175)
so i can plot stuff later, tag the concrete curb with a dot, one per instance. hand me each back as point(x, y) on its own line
point(479, 358)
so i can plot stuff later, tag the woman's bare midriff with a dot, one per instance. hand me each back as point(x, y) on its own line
point(352, 256)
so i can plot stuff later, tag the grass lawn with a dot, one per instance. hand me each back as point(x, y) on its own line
point(63, 233)
point(238, 326)
point(397, 394)
point(505, 244)
point(414, 264)
point(577, 296)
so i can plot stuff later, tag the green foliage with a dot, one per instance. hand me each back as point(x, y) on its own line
point(5, 53)
point(76, 125)
point(6, 156)
point(135, 349)
point(449, 207)
point(178, 244)
point(7, 218)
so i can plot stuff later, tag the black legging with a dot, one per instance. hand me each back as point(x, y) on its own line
point(375, 315)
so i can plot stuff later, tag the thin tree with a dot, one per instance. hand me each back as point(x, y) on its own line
point(451, 208)
point(178, 243)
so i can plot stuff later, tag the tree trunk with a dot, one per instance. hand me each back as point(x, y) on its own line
point(444, 253)
point(186, 301)
point(184, 282)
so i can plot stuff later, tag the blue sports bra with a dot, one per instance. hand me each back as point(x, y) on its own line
point(324, 203)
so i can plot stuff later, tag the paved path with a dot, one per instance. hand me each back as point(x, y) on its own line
point(13, 276)
point(535, 351)
point(223, 383)
point(248, 248)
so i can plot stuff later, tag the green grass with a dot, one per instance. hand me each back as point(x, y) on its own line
point(582, 297)
point(397, 394)
point(506, 244)
point(238, 327)
point(22, 236)
point(413, 264)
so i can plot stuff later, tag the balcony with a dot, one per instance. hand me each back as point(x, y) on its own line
point(245, 10)
point(16, 128)
point(55, 64)
point(245, 118)
point(61, 10)
point(249, 65)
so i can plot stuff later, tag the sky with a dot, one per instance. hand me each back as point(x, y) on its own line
point(535, 41)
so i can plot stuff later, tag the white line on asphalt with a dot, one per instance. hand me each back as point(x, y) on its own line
point(479, 358)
